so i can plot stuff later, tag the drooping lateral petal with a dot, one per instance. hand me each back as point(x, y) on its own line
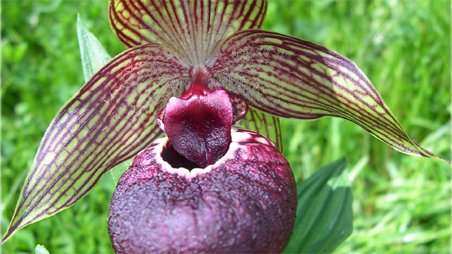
point(190, 28)
point(289, 77)
point(264, 124)
point(111, 119)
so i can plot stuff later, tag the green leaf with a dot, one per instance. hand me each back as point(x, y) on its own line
point(40, 249)
point(117, 171)
point(94, 56)
point(324, 213)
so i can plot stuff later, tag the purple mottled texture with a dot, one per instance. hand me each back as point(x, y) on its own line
point(246, 203)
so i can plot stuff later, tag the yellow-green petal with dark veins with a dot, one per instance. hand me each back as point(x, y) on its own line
point(108, 121)
point(264, 124)
point(292, 78)
point(191, 29)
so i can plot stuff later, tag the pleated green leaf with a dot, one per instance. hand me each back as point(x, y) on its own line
point(108, 121)
point(92, 54)
point(324, 213)
point(292, 78)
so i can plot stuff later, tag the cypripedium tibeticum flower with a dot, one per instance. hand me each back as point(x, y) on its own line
point(195, 72)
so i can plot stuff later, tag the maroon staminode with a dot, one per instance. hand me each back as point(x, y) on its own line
point(198, 124)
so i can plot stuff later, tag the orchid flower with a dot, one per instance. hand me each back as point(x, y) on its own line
point(197, 72)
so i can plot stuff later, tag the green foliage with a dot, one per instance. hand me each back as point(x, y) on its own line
point(401, 204)
point(92, 54)
point(40, 249)
point(324, 213)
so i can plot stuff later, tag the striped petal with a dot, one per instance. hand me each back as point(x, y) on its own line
point(111, 118)
point(191, 29)
point(289, 77)
point(264, 124)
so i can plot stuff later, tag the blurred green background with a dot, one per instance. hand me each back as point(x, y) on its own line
point(401, 203)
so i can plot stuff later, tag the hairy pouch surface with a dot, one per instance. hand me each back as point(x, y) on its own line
point(245, 202)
